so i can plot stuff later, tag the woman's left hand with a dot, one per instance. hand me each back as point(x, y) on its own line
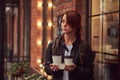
point(69, 67)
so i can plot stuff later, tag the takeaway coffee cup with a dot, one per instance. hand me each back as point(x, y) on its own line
point(68, 60)
point(56, 59)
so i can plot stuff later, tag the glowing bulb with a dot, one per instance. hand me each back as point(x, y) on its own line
point(45, 74)
point(49, 41)
point(39, 61)
point(50, 4)
point(49, 77)
point(39, 4)
point(41, 70)
point(39, 23)
point(41, 65)
point(49, 24)
point(39, 42)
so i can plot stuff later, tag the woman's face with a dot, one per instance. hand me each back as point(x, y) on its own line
point(66, 28)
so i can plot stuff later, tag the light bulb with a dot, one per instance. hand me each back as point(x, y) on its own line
point(39, 60)
point(39, 23)
point(49, 24)
point(49, 77)
point(41, 65)
point(39, 4)
point(50, 4)
point(49, 41)
point(39, 42)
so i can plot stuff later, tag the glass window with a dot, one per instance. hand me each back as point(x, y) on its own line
point(96, 7)
point(104, 23)
point(104, 30)
point(110, 5)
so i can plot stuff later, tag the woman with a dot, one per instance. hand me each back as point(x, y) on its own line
point(69, 45)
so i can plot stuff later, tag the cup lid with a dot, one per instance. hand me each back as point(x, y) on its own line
point(68, 57)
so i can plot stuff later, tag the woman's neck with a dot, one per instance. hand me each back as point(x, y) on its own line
point(69, 38)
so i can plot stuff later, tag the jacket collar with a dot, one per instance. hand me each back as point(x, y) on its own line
point(74, 43)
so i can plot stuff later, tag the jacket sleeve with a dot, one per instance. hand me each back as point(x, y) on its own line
point(87, 65)
point(48, 60)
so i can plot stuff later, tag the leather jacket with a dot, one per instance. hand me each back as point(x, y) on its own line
point(83, 71)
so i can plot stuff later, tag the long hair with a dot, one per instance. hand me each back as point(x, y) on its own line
point(74, 20)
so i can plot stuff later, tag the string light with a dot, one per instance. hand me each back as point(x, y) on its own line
point(39, 4)
point(41, 70)
point(39, 61)
point(49, 24)
point(49, 77)
point(50, 4)
point(40, 65)
point(49, 41)
point(39, 23)
point(39, 42)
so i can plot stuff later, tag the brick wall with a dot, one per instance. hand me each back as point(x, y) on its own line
point(36, 51)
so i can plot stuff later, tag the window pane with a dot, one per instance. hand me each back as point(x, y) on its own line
point(96, 7)
point(110, 35)
point(111, 5)
point(96, 28)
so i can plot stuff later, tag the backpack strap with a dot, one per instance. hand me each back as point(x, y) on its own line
point(56, 47)
point(82, 50)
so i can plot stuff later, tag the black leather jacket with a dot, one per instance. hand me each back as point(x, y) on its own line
point(83, 71)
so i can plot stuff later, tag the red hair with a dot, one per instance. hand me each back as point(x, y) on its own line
point(74, 20)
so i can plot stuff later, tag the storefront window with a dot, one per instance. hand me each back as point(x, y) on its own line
point(104, 22)
point(104, 30)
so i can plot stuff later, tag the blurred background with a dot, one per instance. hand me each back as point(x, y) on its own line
point(27, 27)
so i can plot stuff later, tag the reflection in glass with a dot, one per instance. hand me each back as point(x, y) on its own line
point(96, 7)
point(96, 33)
point(111, 5)
point(104, 24)
point(110, 35)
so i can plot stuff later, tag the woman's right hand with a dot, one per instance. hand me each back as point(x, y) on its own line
point(54, 67)
point(69, 67)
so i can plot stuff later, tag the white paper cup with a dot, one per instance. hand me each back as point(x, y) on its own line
point(56, 59)
point(68, 61)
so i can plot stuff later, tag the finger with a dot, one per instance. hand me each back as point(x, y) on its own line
point(70, 68)
point(52, 66)
point(66, 68)
point(55, 68)
point(73, 66)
